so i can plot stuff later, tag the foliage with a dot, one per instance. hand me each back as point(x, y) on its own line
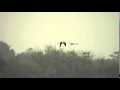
point(53, 63)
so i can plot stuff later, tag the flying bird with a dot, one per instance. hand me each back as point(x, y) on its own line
point(62, 43)
point(73, 44)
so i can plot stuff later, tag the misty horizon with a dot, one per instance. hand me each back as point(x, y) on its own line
point(93, 31)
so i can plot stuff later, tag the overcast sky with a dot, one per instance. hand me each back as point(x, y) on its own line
point(94, 31)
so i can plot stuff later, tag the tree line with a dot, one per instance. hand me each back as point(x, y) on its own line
point(53, 63)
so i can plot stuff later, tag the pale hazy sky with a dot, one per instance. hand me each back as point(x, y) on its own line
point(94, 31)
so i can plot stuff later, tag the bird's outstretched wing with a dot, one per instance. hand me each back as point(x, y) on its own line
point(60, 44)
point(64, 43)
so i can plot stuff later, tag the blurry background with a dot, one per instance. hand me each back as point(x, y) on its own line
point(29, 49)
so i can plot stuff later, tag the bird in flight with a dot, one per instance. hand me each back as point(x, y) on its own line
point(62, 43)
point(65, 43)
point(73, 44)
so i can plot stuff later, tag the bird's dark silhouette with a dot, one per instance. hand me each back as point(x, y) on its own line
point(65, 43)
point(62, 43)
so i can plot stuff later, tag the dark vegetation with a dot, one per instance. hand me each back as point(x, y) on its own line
point(53, 63)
